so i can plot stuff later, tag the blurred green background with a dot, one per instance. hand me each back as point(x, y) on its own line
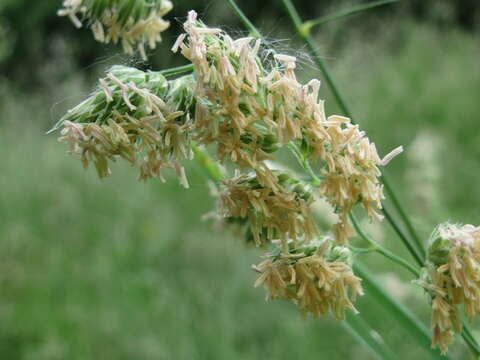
point(116, 269)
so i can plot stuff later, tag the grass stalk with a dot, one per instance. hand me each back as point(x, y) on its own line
point(361, 331)
point(177, 70)
point(404, 317)
point(308, 25)
point(244, 19)
point(380, 249)
point(202, 158)
point(403, 215)
point(406, 241)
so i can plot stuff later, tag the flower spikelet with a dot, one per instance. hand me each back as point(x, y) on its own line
point(349, 161)
point(127, 118)
point(317, 277)
point(280, 213)
point(293, 109)
point(452, 278)
point(229, 108)
point(351, 172)
point(134, 23)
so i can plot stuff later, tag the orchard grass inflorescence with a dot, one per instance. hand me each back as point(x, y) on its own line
point(452, 277)
point(288, 275)
point(248, 111)
point(243, 102)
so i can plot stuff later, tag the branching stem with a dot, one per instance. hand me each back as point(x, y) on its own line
point(303, 161)
point(309, 24)
point(381, 250)
point(177, 70)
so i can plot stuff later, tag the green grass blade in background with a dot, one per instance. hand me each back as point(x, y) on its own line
point(372, 340)
point(404, 317)
point(309, 24)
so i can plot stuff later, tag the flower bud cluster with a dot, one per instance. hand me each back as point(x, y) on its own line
point(351, 175)
point(281, 213)
point(452, 278)
point(126, 117)
point(133, 23)
point(230, 109)
point(317, 277)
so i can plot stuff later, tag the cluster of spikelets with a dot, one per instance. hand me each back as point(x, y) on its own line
point(317, 277)
point(143, 125)
point(452, 278)
point(133, 23)
point(283, 214)
point(241, 100)
point(246, 102)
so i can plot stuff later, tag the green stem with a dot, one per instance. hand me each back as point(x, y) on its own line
point(404, 317)
point(381, 250)
point(304, 163)
point(246, 22)
point(406, 241)
point(361, 331)
point(469, 338)
point(202, 157)
point(308, 25)
point(177, 70)
point(403, 215)
point(297, 22)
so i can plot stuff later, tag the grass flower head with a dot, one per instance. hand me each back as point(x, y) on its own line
point(132, 115)
point(317, 277)
point(277, 213)
point(452, 278)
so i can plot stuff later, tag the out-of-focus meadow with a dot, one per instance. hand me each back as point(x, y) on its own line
point(118, 269)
